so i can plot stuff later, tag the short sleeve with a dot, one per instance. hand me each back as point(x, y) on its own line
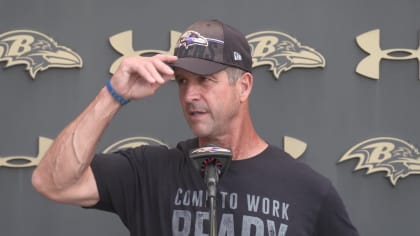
point(116, 179)
point(333, 219)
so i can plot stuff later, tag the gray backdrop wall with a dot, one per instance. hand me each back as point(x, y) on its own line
point(331, 108)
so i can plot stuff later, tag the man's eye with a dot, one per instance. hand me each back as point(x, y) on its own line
point(207, 79)
point(180, 81)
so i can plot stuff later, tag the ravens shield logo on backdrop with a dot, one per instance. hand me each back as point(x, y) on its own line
point(396, 157)
point(282, 52)
point(35, 50)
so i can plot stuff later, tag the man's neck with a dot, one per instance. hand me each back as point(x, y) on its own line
point(243, 141)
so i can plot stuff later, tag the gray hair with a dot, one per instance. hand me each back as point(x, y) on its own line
point(234, 74)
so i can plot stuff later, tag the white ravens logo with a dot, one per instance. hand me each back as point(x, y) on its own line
point(35, 50)
point(191, 38)
point(396, 157)
point(282, 52)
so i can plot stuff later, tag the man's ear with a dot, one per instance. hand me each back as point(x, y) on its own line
point(245, 82)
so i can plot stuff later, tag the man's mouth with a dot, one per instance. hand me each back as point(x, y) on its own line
point(196, 110)
point(197, 113)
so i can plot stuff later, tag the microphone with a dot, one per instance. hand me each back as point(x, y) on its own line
point(211, 156)
point(211, 162)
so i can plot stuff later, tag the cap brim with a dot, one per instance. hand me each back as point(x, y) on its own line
point(198, 66)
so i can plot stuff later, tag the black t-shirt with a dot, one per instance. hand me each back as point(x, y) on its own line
point(157, 191)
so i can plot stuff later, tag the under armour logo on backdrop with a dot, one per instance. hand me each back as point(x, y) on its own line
point(370, 43)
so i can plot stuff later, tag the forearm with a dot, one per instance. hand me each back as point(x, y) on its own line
point(70, 155)
point(64, 174)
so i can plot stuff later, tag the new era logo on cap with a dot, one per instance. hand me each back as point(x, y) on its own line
point(237, 56)
point(209, 46)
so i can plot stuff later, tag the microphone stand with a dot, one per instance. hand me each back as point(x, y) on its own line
point(211, 162)
point(211, 178)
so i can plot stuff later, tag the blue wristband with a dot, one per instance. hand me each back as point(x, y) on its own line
point(115, 95)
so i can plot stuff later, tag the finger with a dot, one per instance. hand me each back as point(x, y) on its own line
point(165, 70)
point(143, 72)
point(166, 57)
point(153, 69)
point(154, 73)
point(168, 60)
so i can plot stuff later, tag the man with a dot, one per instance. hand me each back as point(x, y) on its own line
point(155, 190)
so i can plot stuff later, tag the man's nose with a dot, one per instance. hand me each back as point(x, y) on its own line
point(192, 92)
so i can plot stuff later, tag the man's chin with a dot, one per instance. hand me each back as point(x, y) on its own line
point(200, 132)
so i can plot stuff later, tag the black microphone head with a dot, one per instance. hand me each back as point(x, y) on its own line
point(211, 155)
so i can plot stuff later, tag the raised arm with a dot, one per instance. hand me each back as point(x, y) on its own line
point(64, 173)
